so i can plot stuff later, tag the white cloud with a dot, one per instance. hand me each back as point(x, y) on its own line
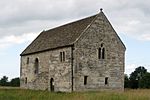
point(32, 16)
point(145, 37)
point(10, 40)
point(130, 68)
point(130, 18)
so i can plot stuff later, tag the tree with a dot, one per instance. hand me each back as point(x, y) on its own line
point(4, 81)
point(145, 81)
point(126, 81)
point(15, 82)
point(136, 76)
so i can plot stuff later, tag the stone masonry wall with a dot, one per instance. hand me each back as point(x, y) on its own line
point(85, 63)
point(49, 67)
point(86, 58)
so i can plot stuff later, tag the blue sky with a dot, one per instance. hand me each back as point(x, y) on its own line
point(22, 20)
point(137, 53)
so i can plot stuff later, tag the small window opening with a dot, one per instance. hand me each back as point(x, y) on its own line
point(25, 80)
point(101, 52)
point(36, 66)
point(62, 56)
point(85, 80)
point(28, 60)
point(106, 80)
point(102, 45)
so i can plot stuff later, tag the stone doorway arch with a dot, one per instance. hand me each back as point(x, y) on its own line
point(52, 85)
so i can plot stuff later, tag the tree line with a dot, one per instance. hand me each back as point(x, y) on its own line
point(139, 78)
point(15, 82)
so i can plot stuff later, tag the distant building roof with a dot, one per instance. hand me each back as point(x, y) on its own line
point(61, 36)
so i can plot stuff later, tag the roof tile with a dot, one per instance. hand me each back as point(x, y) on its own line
point(57, 37)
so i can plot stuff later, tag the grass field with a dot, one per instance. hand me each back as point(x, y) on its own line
point(18, 94)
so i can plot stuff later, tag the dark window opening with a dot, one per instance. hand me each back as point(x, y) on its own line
point(52, 85)
point(99, 53)
point(26, 80)
point(103, 53)
point(102, 45)
point(36, 66)
point(62, 56)
point(85, 80)
point(28, 60)
point(106, 80)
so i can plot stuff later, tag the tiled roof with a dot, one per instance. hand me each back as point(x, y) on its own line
point(58, 37)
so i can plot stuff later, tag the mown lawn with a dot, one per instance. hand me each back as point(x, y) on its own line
point(18, 94)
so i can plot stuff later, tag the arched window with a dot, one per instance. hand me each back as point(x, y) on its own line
point(101, 52)
point(36, 66)
point(62, 56)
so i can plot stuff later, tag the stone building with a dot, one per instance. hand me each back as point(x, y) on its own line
point(85, 55)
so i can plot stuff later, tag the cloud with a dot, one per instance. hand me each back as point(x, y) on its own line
point(30, 10)
point(145, 37)
point(22, 20)
point(130, 68)
point(11, 40)
point(130, 18)
point(31, 16)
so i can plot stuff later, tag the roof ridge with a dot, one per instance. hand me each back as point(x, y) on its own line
point(75, 21)
point(60, 36)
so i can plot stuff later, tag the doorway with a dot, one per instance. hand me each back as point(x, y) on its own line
point(52, 85)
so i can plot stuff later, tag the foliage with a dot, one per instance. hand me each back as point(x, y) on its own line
point(140, 78)
point(145, 81)
point(4, 81)
point(126, 81)
point(15, 82)
point(136, 76)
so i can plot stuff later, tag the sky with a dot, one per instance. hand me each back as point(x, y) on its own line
point(22, 20)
